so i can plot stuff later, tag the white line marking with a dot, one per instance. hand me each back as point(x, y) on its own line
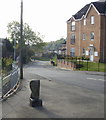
point(96, 79)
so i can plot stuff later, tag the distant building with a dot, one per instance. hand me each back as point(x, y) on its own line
point(62, 48)
point(86, 32)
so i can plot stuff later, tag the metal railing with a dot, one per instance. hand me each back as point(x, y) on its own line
point(9, 83)
point(82, 64)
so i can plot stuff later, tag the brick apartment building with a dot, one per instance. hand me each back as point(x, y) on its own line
point(86, 32)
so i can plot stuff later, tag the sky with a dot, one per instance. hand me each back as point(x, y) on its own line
point(45, 16)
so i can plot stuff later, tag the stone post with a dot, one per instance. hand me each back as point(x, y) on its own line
point(35, 100)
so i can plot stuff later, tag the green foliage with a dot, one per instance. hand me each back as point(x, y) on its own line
point(14, 31)
point(93, 66)
point(30, 37)
point(39, 47)
point(8, 61)
point(7, 64)
point(83, 64)
point(7, 48)
point(55, 45)
point(27, 52)
point(32, 41)
point(85, 58)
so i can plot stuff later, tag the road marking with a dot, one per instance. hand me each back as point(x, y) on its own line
point(96, 79)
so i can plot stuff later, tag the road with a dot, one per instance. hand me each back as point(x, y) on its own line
point(65, 94)
point(77, 78)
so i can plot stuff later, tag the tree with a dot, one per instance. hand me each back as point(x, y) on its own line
point(39, 47)
point(30, 37)
point(7, 54)
point(14, 31)
point(55, 45)
point(7, 48)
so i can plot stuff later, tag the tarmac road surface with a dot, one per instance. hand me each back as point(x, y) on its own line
point(62, 98)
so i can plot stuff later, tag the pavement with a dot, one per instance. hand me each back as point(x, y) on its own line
point(88, 72)
point(60, 100)
point(96, 73)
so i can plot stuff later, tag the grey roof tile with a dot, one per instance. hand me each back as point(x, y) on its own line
point(100, 6)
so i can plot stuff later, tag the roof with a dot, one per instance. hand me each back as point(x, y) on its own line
point(82, 12)
point(100, 6)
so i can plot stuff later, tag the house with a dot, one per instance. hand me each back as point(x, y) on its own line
point(86, 32)
point(62, 49)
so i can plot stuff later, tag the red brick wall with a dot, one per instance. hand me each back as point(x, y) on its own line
point(98, 28)
point(65, 64)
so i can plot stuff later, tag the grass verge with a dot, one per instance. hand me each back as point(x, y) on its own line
point(92, 66)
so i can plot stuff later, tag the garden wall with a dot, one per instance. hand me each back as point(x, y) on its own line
point(65, 64)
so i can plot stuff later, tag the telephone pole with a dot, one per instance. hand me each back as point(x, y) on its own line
point(21, 41)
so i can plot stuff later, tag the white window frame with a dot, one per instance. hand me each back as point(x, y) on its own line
point(72, 52)
point(83, 36)
point(92, 19)
point(73, 26)
point(84, 22)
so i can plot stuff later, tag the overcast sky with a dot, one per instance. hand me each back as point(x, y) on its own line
point(45, 16)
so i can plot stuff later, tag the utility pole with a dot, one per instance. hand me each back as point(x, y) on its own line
point(14, 49)
point(21, 41)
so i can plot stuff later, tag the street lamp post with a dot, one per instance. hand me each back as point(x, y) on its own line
point(21, 41)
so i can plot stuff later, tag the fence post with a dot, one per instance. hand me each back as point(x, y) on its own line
point(67, 61)
point(79, 64)
point(72, 59)
point(64, 60)
point(98, 66)
point(76, 60)
point(87, 64)
point(82, 60)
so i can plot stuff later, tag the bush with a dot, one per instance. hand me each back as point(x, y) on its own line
point(27, 53)
point(7, 64)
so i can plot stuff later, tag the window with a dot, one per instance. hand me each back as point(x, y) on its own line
point(73, 26)
point(92, 36)
point(84, 21)
point(83, 51)
point(83, 36)
point(72, 52)
point(92, 19)
point(72, 39)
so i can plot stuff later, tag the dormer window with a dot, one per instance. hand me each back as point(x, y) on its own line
point(84, 21)
point(73, 26)
point(92, 19)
